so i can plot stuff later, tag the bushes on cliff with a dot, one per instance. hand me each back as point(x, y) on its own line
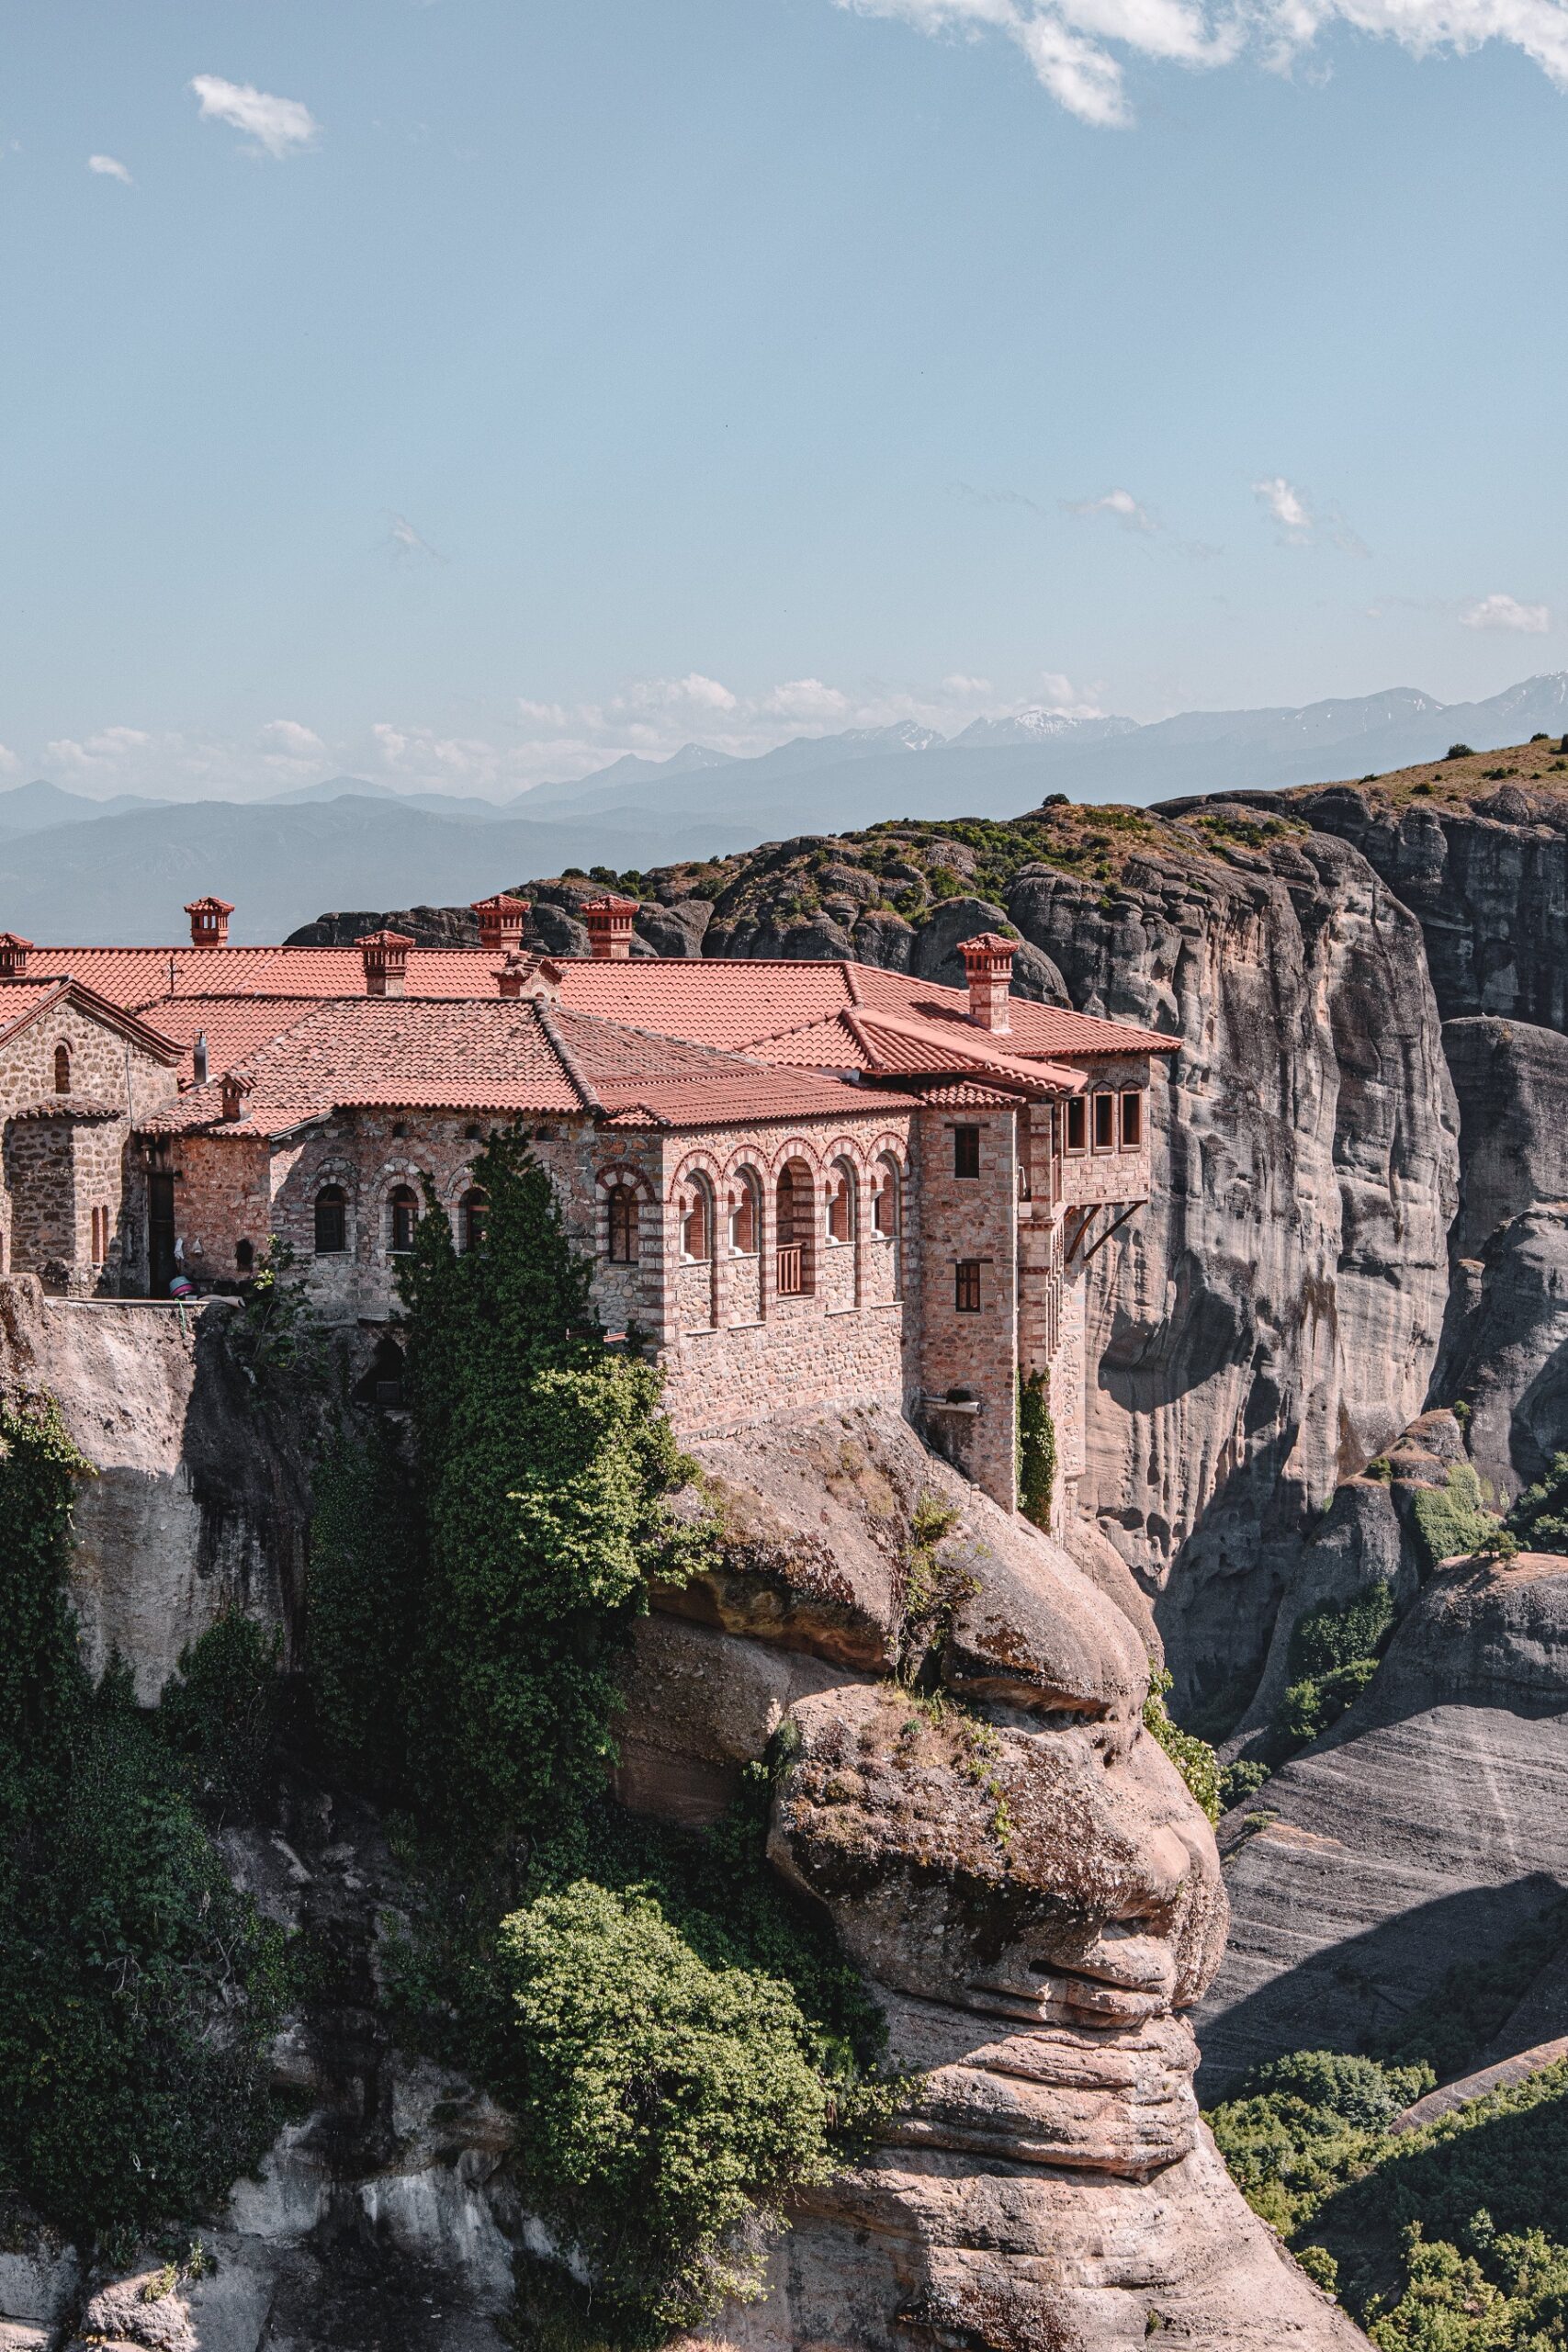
point(678, 2038)
point(1193, 1758)
point(137, 1989)
point(1539, 1520)
point(1036, 1449)
point(1335, 1652)
point(1452, 1520)
point(664, 2102)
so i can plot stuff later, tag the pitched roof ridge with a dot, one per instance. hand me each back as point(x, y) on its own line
point(851, 983)
point(662, 1036)
point(542, 1014)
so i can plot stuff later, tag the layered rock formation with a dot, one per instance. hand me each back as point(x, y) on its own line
point(1028, 1888)
point(1423, 1831)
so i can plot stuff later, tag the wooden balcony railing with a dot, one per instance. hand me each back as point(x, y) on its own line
point(789, 1273)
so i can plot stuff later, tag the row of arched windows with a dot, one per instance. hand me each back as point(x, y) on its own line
point(704, 1221)
point(401, 1218)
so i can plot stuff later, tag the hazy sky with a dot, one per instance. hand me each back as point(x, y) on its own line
point(461, 391)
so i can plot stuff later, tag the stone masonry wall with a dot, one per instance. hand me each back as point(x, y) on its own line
point(971, 1218)
point(58, 1169)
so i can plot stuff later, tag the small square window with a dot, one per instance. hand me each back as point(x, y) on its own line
point(1076, 1123)
point(967, 1287)
point(1105, 1123)
point(1131, 1122)
point(966, 1151)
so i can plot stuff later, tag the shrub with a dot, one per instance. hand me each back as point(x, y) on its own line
point(1241, 1781)
point(1539, 1518)
point(1459, 752)
point(362, 1593)
point(662, 2100)
point(1193, 1758)
point(1036, 1449)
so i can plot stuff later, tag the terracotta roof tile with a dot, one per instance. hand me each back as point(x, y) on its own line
point(139, 977)
point(506, 1056)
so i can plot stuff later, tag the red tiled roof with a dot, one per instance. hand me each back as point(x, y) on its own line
point(139, 977)
point(506, 1056)
point(965, 1095)
point(22, 1001)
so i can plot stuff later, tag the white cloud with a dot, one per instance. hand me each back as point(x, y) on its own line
point(277, 126)
point(1120, 504)
point(806, 698)
point(965, 689)
point(1073, 45)
point(695, 693)
point(1507, 612)
point(286, 739)
point(1288, 507)
point(541, 714)
point(9, 764)
point(110, 169)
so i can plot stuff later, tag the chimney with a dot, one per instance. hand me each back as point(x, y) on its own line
point(519, 975)
point(14, 954)
point(235, 1090)
point(210, 921)
point(386, 955)
point(609, 924)
point(987, 963)
point(501, 922)
point(198, 1059)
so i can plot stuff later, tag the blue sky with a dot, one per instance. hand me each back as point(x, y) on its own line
point(461, 393)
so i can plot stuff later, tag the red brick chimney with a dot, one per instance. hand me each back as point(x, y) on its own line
point(609, 924)
point(501, 922)
point(210, 921)
point(234, 1090)
point(987, 962)
point(386, 955)
point(14, 951)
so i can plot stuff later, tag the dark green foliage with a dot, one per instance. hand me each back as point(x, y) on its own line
point(1410, 2223)
point(363, 1591)
point(1459, 752)
point(137, 1989)
point(220, 1714)
point(1036, 1449)
point(544, 1459)
point(1451, 1520)
point(1240, 1781)
point(1539, 1520)
point(1334, 1654)
point(661, 2100)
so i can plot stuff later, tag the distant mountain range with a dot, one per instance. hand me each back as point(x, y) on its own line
point(84, 871)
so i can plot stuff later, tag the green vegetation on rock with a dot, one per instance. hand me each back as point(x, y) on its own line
point(1036, 1449)
point(1193, 1758)
point(138, 1990)
point(1539, 1520)
point(682, 2042)
point(1452, 1520)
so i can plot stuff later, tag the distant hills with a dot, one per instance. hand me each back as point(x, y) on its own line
point(78, 870)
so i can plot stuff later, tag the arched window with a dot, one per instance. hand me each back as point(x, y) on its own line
point(841, 1203)
point(245, 1256)
point(402, 1209)
point(332, 1221)
point(745, 1216)
point(63, 1069)
point(696, 1222)
point(473, 1213)
point(100, 1236)
point(794, 1269)
point(884, 1201)
point(623, 1225)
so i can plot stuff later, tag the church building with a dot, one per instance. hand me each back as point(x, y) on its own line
point(806, 1183)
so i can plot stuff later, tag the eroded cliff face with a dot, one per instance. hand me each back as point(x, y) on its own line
point(200, 1504)
point(1270, 1321)
point(1031, 1892)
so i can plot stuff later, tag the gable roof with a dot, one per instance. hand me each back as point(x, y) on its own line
point(24, 1001)
point(507, 1056)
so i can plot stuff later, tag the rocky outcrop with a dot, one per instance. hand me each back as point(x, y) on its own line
point(1028, 1888)
point(1505, 1350)
point(1422, 1832)
point(1270, 1321)
point(1484, 868)
point(198, 1504)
